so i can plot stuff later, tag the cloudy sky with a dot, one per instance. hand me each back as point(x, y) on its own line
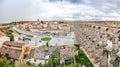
point(17, 10)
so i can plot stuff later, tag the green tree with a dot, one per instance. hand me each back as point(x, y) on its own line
point(47, 44)
point(4, 62)
point(76, 46)
point(52, 61)
point(40, 65)
point(11, 37)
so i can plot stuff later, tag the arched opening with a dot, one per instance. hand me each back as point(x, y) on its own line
point(107, 29)
point(105, 53)
point(116, 62)
point(89, 38)
point(99, 28)
point(93, 41)
point(100, 36)
point(108, 35)
point(118, 31)
point(94, 27)
point(89, 26)
point(119, 38)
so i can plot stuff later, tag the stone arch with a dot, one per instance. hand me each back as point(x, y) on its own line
point(89, 38)
point(118, 37)
point(99, 28)
point(116, 62)
point(94, 27)
point(103, 63)
point(105, 53)
point(108, 35)
point(107, 29)
point(86, 25)
point(90, 26)
point(101, 36)
point(118, 31)
point(93, 41)
point(86, 36)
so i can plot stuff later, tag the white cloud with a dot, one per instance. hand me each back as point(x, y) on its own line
point(15, 10)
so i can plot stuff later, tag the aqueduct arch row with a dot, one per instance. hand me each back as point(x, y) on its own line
point(101, 41)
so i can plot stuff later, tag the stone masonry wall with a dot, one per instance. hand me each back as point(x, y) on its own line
point(101, 41)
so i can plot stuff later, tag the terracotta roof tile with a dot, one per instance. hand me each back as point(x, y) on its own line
point(14, 44)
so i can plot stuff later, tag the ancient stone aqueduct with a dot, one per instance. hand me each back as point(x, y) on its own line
point(101, 42)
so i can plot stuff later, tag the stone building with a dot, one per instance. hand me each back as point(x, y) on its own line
point(101, 42)
point(3, 38)
point(15, 51)
point(41, 55)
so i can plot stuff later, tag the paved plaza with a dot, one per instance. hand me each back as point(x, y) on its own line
point(36, 41)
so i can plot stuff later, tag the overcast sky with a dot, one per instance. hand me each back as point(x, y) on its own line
point(18, 10)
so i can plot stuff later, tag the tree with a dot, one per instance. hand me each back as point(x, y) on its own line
point(4, 62)
point(52, 61)
point(47, 44)
point(40, 65)
point(11, 37)
point(76, 47)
